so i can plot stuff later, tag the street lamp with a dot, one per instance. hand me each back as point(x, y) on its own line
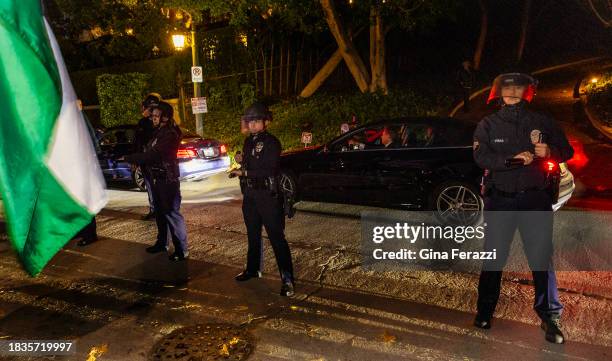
point(178, 40)
point(179, 44)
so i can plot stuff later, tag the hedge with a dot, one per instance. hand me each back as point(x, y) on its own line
point(120, 97)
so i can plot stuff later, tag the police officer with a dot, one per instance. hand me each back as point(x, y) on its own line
point(160, 157)
point(262, 203)
point(144, 133)
point(512, 145)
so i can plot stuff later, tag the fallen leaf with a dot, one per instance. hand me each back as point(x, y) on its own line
point(386, 337)
point(224, 351)
point(234, 341)
point(96, 352)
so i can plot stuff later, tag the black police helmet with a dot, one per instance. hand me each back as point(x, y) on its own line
point(166, 110)
point(151, 101)
point(257, 111)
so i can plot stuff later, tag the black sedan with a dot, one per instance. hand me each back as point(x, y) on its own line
point(426, 164)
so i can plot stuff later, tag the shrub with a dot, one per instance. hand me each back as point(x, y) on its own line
point(120, 97)
point(600, 97)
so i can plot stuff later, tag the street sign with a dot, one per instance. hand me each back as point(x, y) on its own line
point(306, 138)
point(344, 128)
point(198, 105)
point(197, 74)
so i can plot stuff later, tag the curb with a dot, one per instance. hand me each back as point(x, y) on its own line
point(539, 71)
point(594, 119)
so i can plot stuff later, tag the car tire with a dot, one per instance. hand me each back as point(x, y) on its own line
point(138, 178)
point(457, 201)
point(288, 186)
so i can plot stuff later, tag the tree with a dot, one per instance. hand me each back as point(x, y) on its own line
point(524, 28)
point(107, 32)
point(382, 16)
point(482, 37)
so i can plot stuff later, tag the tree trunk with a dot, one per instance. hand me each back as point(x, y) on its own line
point(323, 73)
point(347, 49)
point(482, 38)
point(265, 72)
point(379, 72)
point(280, 71)
point(271, 79)
point(288, 67)
point(524, 27)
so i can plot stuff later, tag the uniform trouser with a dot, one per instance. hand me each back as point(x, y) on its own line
point(167, 198)
point(88, 232)
point(149, 185)
point(260, 208)
point(531, 213)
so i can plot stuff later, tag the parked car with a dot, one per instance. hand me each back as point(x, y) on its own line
point(198, 158)
point(429, 167)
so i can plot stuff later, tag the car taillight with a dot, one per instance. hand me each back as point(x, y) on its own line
point(223, 149)
point(550, 166)
point(186, 153)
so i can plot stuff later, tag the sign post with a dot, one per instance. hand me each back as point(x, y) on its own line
point(198, 105)
point(306, 138)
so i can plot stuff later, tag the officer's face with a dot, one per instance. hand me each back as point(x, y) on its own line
point(156, 117)
point(512, 94)
point(256, 126)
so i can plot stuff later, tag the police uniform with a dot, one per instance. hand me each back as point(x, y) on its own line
point(160, 158)
point(498, 137)
point(144, 133)
point(263, 205)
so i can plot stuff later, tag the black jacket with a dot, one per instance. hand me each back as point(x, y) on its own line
point(261, 155)
point(159, 156)
point(512, 130)
point(144, 133)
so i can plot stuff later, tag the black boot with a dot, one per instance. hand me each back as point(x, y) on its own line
point(85, 241)
point(287, 289)
point(178, 256)
point(552, 327)
point(156, 249)
point(247, 275)
point(482, 321)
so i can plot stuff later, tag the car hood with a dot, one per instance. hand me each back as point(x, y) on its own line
point(294, 154)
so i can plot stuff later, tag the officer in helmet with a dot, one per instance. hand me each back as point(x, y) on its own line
point(263, 204)
point(512, 145)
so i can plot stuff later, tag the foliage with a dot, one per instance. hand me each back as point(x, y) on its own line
point(162, 73)
point(106, 32)
point(326, 112)
point(120, 97)
point(600, 97)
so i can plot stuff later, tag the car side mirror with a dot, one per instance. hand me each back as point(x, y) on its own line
point(325, 149)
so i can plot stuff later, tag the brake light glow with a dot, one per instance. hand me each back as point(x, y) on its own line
point(550, 165)
point(186, 153)
point(223, 149)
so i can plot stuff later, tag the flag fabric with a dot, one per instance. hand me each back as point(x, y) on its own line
point(50, 180)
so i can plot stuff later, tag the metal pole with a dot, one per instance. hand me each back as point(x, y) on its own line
point(195, 60)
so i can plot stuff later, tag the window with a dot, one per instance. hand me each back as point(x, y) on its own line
point(367, 138)
point(118, 136)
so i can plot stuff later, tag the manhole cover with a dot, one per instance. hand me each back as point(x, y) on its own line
point(214, 341)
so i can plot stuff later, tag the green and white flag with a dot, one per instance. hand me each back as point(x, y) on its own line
point(50, 179)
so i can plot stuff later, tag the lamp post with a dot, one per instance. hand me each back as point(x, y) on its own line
point(179, 44)
point(197, 92)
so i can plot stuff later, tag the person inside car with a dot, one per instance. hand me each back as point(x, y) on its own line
point(389, 137)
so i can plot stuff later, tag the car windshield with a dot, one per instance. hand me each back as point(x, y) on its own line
point(118, 136)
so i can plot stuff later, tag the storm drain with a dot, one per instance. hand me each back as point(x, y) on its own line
point(214, 341)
